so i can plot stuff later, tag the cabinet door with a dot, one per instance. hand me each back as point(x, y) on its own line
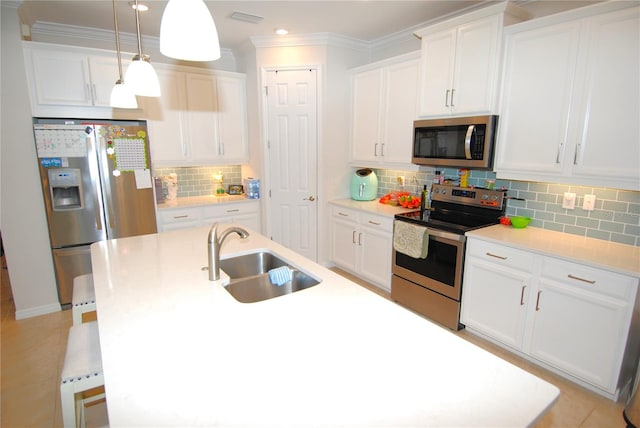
point(343, 243)
point(438, 59)
point(400, 109)
point(375, 247)
point(538, 81)
point(61, 78)
point(167, 133)
point(366, 115)
point(610, 103)
point(104, 74)
point(494, 301)
point(473, 88)
point(232, 119)
point(579, 332)
point(201, 114)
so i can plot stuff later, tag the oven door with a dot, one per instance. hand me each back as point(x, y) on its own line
point(441, 270)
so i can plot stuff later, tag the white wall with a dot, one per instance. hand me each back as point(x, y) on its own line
point(23, 222)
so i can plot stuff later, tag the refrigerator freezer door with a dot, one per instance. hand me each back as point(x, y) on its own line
point(125, 168)
point(69, 263)
point(70, 184)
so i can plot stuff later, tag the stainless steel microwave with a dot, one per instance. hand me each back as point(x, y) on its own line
point(459, 142)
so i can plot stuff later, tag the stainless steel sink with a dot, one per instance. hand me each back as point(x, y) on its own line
point(249, 276)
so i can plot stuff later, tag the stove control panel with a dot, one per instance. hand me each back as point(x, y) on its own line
point(469, 196)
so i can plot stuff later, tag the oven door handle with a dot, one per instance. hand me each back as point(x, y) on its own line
point(446, 235)
point(467, 140)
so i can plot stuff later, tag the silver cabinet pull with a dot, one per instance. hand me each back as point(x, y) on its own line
point(577, 278)
point(522, 295)
point(452, 92)
point(575, 155)
point(558, 154)
point(360, 239)
point(538, 301)
point(353, 237)
point(343, 214)
point(181, 216)
point(374, 223)
point(233, 211)
point(375, 149)
point(496, 256)
point(446, 98)
point(382, 150)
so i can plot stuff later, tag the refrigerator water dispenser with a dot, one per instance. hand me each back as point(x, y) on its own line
point(66, 188)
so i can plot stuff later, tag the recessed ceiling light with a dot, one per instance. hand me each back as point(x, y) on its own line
point(281, 31)
point(141, 6)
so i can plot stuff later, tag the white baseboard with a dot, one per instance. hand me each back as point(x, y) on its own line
point(38, 310)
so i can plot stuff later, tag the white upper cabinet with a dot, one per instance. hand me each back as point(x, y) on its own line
point(66, 81)
point(200, 119)
point(569, 104)
point(460, 62)
point(382, 112)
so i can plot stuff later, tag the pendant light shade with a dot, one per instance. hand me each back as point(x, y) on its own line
point(121, 95)
point(141, 78)
point(187, 31)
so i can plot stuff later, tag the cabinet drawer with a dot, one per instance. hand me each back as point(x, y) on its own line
point(377, 222)
point(505, 256)
point(589, 278)
point(229, 210)
point(345, 214)
point(180, 215)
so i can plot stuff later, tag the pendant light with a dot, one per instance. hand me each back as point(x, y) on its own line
point(121, 95)
point(187, 31)
point(140, 75)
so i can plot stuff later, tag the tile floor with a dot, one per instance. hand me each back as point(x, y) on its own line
point(32, 354)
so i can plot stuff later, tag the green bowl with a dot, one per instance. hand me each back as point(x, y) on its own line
point(520, 222)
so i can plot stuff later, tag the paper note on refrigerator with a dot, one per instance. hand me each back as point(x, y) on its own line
point(143, 178)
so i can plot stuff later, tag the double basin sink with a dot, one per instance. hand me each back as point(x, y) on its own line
point(249, 277)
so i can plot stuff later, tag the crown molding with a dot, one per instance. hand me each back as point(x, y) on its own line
point(51, 29)
point(311, 39)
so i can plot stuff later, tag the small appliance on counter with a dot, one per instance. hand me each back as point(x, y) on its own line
point(364, 185)
point(252, 188)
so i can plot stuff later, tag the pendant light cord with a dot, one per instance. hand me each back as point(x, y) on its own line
point(138, 29)
point(115, 24)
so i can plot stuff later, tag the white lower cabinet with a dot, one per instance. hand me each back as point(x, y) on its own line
point(361, 243)
point(571, 317)
point(244, 213)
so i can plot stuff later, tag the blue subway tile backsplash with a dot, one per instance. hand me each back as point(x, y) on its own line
point(616, 216)
point(200, 181)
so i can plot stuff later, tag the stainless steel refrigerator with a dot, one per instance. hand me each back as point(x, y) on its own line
point(96, 182)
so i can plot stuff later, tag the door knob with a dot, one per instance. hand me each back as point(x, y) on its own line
point(310, 198)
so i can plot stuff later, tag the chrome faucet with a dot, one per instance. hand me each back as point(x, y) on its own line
point(215, 243)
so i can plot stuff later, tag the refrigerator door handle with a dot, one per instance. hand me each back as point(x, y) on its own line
point(98, 219)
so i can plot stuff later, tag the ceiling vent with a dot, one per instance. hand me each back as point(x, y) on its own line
point(246, 17)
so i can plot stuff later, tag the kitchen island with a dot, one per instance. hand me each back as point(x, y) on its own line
point(179, 350)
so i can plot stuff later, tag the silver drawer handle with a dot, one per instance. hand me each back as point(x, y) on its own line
point(522, 295)
point(496, 256)
point(374, 222)
point(181, 216)
point(343, 214)
point(233, 211)
point(588, 281)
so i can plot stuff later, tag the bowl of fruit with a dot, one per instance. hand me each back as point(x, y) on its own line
point(404, 199)
point(520, 222)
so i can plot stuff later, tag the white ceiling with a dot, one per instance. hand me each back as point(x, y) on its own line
point(366, 20)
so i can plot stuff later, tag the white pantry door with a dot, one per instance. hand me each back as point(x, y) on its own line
point(292, 159)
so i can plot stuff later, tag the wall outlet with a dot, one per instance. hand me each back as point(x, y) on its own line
point(589, 203)
point(569, 201)
point(401, 180)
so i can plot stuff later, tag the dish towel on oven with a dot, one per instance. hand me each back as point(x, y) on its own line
point(410, 239)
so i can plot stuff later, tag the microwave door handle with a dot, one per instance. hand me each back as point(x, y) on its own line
point(467, 140)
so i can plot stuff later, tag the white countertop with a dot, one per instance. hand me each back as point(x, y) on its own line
point(191, 201)
point(178, 350)
point(620, 258)
point(374, 207)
